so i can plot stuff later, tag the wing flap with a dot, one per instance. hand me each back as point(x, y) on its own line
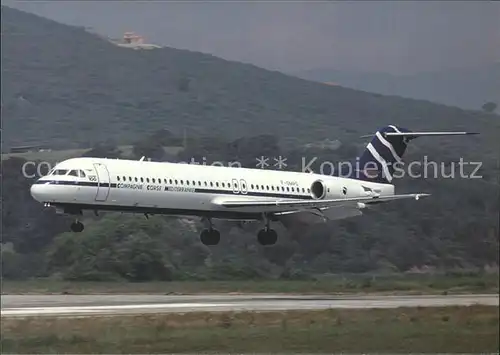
point(286, 205)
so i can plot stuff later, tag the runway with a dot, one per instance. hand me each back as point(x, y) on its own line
point(91, 305)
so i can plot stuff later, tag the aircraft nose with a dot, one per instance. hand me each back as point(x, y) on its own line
point(36, 192)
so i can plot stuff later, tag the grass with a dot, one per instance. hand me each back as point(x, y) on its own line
point(394, 284)
point(443, 329)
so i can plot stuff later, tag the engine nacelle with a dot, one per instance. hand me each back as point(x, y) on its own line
point(318, 190)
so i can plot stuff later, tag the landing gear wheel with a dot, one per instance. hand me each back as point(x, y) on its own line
point(267, 236)
point(77, 227)
point(210, 236)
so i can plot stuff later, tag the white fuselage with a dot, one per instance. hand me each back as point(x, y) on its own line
point(183, 189)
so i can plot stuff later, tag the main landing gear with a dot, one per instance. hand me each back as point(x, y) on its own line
point(267, 236)
point(211, 236)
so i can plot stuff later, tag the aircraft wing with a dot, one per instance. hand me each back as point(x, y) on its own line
point(292, 205)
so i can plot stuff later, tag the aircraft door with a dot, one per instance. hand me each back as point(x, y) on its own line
point(103, 183)
point(243, 186)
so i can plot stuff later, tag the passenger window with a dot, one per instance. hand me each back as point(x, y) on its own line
point(135, 179)
point(130, 178)
point(187, 182)
point(153, 180)
point(211, 184)
point(142, 179)
point(176, 181)
point(170, 181)
point(147, 179)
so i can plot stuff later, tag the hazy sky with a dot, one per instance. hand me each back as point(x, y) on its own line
point(390, 36)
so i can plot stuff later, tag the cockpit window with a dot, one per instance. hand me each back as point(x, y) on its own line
point(73, 173)
point(60, 171)
point(82, 174)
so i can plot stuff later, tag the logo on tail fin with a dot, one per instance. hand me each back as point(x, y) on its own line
point(382, 153)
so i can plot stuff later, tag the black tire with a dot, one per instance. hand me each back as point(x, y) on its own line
point(210, 237)
point(204, 237)
point(77, 227)
point(214, 237)
point(261, 237)
point(272, 237)
point(267, 237)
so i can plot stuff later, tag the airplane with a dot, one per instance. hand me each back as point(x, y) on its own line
point(229, 193)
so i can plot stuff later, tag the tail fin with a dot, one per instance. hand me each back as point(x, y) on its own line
point(386, 149)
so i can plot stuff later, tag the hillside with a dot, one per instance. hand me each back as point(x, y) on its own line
point(62, 85)
point(467, 88)
point(66, 88)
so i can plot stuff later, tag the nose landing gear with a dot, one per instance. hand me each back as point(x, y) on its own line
point(77, 226)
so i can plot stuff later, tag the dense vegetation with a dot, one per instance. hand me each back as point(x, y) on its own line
point(66, 87)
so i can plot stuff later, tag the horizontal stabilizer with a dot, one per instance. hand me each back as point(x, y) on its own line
point(420, 134)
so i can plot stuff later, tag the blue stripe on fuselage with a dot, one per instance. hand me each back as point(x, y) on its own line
point(164, 189)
